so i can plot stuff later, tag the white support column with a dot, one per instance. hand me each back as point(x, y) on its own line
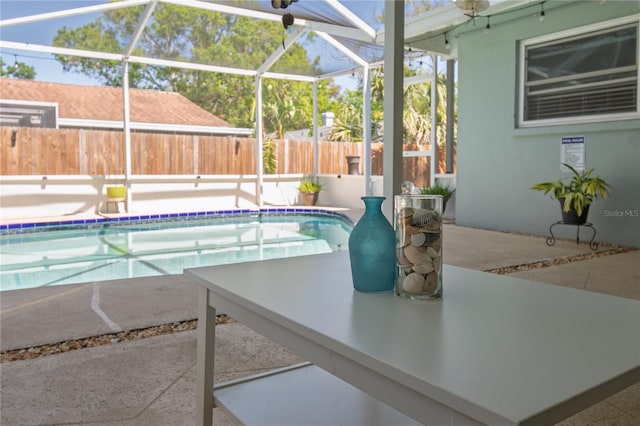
point(148, 12)
point(127, 132)
point(316, 149)
point(434, 120)
point(451, 96)
point(366, 127)
point(259, 140)
point(393, 102)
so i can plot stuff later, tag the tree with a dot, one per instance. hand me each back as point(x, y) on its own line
point(416, 116)
point(417, 112)
point(417, 100)
point(18, 70)
point(348, 124)
point(182, 33)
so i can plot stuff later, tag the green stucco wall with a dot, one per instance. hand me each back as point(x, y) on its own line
point(498, 162)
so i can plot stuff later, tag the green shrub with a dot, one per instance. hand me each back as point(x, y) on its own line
point(309, 185)
point(438, 189)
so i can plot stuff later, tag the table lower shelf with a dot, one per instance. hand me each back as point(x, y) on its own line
point(303, 394)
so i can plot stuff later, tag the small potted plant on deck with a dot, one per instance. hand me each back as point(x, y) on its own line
point(115, 193)
point(576, 194)
point(309, 190)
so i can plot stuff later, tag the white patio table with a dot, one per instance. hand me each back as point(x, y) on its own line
point(495, 350)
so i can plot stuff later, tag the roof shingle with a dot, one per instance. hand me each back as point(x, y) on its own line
point(105, 103)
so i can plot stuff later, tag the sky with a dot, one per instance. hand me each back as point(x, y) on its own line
point(43, 32)
point(47, 68)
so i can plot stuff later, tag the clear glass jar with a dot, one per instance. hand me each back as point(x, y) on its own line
point(418, 227)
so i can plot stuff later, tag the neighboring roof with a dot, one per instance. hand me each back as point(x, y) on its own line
point(106, 103)
point(305, 134)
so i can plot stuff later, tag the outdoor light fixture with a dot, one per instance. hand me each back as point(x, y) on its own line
point(472, 7)
point(282, 4)
point(287, 18)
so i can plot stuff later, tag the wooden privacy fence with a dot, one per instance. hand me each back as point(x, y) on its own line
point(35, 151)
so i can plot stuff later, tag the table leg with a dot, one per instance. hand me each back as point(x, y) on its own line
point(205, 359)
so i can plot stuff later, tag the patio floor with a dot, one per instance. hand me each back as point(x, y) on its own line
point(152, 380)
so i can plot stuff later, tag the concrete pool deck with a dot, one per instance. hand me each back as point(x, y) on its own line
point(152, 381)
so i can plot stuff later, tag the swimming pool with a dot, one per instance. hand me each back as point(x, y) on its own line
point(68, 253)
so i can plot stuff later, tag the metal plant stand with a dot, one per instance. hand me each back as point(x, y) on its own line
point(592, 245)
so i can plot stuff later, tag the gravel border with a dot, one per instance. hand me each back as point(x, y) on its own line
point(104, 339)
point(559, 261)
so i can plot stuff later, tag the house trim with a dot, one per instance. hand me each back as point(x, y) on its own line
point(178, 128)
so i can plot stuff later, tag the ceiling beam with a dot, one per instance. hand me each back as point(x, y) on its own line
point(335, 43)
point(280, 50)
point(443, 19)
point(71, 12)
point(338, 30)
point(61, 51)
point(352, 17)
point(148, 61)
point(141, 26)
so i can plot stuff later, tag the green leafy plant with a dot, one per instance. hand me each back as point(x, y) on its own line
point(578, 192)
point(310, 186)
point(438, 189)
point(269, 158)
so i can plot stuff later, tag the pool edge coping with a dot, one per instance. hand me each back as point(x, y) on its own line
point(42, 225)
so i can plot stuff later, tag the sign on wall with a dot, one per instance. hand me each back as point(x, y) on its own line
point(572, 153)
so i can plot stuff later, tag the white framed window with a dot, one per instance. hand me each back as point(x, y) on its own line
point(28, 113)
point(586, 74)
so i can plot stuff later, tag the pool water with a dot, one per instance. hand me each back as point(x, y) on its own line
point(72, 254)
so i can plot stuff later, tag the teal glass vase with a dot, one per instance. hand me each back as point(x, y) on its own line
point(372, 249)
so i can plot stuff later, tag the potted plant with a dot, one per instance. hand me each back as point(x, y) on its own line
point(576, 194)
point(309, 190)
point(439, 189)
point(353, 164)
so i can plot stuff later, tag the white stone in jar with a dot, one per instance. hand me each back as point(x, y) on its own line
point(430, 283)
point(418, 239)
point(433, 253)
point(437, 264)
point(424, 268)
point(406, 212)
point(416, 255)
point(413, 283)
point(405, 269)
